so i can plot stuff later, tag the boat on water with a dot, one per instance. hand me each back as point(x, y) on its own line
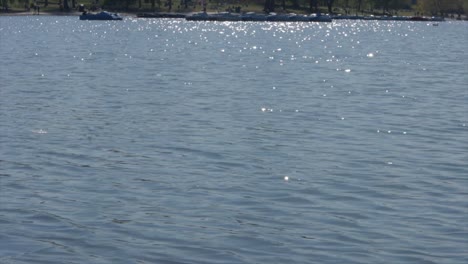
point(319, 18)
point(386, 18)
point(417, 18)
point(251, 16)
point(198, 17)
point(160, 15)
point(104, 15)
point(222, 16)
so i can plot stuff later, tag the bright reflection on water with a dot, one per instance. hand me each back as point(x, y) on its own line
point(167, 141)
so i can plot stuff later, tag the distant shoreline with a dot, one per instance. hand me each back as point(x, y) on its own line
point(124, 14)
point(59, 13)
point(45, 13)
point(76, 13)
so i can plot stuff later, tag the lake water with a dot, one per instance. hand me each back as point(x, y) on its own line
point(167, 141)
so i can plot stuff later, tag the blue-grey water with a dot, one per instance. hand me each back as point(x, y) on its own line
point(167, 141)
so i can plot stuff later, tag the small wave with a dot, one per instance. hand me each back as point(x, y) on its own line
point(39, 131)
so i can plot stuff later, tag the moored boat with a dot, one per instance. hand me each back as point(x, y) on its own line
point(160, 15)
point(225, 16)
point(319, 18)
point(198, 17)
point(104, 15)
point(251, 16)
point(417, 18)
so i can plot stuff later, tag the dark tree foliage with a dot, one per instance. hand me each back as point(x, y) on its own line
point(359, 6)
point(120, 4)
point(313, 6)
point(269, 6)
point(66, 7)
point(385, 6)
point(4, 5)
point(295, 4)
point(330, 6)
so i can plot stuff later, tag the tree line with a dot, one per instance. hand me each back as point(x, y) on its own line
point(433, 7)
point(430, 7)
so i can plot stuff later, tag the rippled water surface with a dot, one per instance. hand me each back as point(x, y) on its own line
point(166, 141)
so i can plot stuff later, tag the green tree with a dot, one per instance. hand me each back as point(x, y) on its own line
point(429, 6)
